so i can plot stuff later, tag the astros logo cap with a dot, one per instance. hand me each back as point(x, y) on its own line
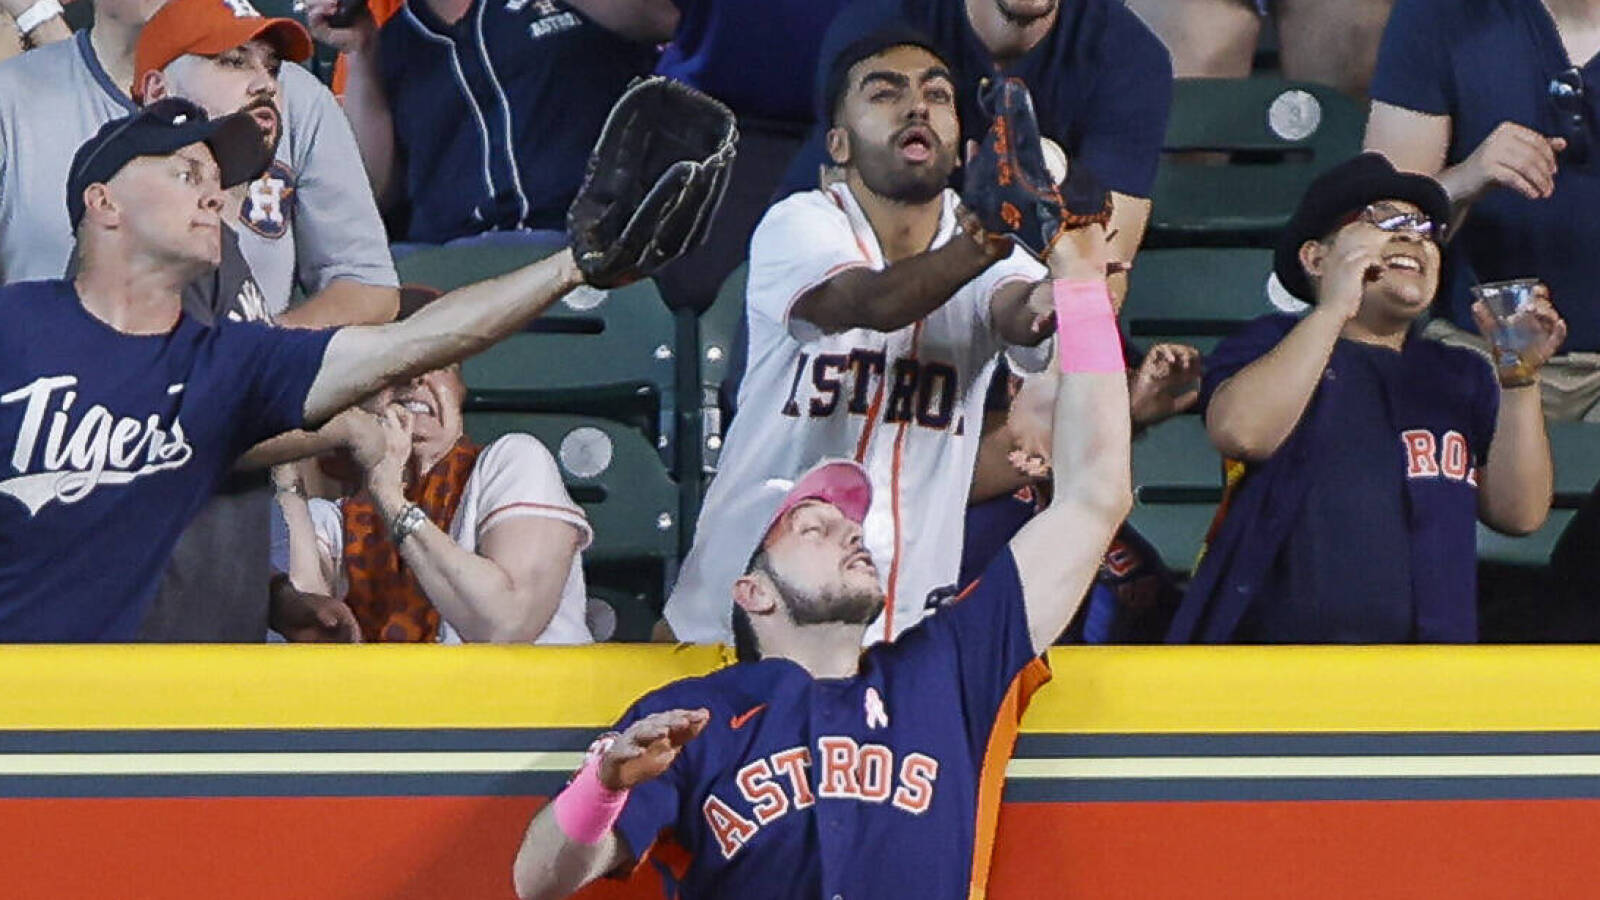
point(840, 482)
point(210, 27)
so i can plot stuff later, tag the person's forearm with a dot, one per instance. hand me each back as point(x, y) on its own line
point(286, 447)
point(305, 562)
point(894, 297)
point(1517, 481)
point(550, 866)
point(367, 107)
point(473, 593)
point(1463, 191)
point(361, 359)
point(1255, 411)
point(344, 301)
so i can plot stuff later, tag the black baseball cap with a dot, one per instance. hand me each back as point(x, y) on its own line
point(1346, 188)
point(857, 33)
point(160, 129)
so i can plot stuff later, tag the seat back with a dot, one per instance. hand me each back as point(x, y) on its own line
point(1239, 152)
point(1177, 478)
point(1196, 296)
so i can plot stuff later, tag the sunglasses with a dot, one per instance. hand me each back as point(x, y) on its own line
point(1570, 99)
point(1393, 220)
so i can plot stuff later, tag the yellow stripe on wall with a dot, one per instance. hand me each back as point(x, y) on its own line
point(1095, 690)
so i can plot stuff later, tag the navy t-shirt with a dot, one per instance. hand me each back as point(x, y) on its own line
point(114, 442)
point(1484, 62)
point(1101, 84)
point(756, 56)
point(494, 116)
point(856, 787)
point(1389, 450)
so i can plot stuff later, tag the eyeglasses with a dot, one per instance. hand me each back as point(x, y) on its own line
point(1392, 219)
point(1570, 99)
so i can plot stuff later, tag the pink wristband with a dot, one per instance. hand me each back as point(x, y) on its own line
point(587, 809)
point(1087, 339)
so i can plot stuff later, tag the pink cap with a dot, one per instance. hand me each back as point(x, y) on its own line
point(837, 481)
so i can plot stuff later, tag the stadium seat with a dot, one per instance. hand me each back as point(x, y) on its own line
point(606, 353)
point(719, 334)
point(1575, 450)
point(1273, 137)
point(1177, 478)
point(630, 499)
point(1196, 296)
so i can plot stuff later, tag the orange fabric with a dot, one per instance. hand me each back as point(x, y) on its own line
point(992, 777)
point(384, 594)
point(207, 28)
point(382, 11)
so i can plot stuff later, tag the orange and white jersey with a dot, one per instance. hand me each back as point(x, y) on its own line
point(907, 405)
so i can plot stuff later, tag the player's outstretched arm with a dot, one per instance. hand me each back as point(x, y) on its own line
point(361, 359)
point(571, 842)
point(1059, 551)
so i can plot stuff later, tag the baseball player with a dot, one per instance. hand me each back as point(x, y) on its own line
point(876, 315)
point(121, 413)
point(823, 771)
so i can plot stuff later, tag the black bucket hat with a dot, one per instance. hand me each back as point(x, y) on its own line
point(1346, 188)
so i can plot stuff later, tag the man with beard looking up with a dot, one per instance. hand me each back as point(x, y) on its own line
point(876, 315)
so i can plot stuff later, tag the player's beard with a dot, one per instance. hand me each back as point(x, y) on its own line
point(1015, 13)
point(837, 606)
point(276, 136)
point(883, 172)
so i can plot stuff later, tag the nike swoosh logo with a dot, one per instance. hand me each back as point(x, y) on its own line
point(738, 721)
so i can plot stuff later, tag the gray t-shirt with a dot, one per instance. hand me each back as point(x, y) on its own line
point(310, 219)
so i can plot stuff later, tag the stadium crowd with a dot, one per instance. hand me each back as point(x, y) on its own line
point(1364, 423)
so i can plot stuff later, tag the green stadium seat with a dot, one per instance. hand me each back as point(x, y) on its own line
point(1575, 451)
point(1177, 478)
point(1532, 551)
point(719, 333)
point(595, 352)
point(1196, 296)
point(614, 473)
point(1273, 137)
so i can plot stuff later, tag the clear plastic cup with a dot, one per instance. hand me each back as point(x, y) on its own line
point(1514, 333)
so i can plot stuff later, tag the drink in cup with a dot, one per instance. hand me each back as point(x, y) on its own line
point(1514, 334)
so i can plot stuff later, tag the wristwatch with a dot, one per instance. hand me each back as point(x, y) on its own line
point(406, 521)
point(38, 14)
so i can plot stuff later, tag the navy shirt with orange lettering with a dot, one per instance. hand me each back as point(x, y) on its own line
point(1360, 527)
point(865, 787)
point(112, 442)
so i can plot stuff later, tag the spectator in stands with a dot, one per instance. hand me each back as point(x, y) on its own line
point(1497, 100)
point(147, 408)
point(1101, 84)
point(497, 557)
point(756, 57)
point(302, 222)
point(1368, 450)
point(875, 319)
point(1332, 43)
point(30, 23)
point(475, 117)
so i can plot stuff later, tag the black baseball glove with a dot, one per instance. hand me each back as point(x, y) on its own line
point(1008, 185)
point(653, 182)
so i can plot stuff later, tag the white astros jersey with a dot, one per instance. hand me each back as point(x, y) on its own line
point(907, 405)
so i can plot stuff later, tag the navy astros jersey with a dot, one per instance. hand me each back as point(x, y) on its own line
point(1360, 528)
point(886, 784)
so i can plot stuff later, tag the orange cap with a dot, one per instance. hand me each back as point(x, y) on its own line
point(210, 27)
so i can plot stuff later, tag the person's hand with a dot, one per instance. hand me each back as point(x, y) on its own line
point(1345, 275)
point(1512, 156)
point(387, 470)
point(649, 746)
point(992, 246)
point(1541, 327)
point(304, 617)
point(1083, 254)
point(1166, 383)
point(357, 38)
point(1031, 421)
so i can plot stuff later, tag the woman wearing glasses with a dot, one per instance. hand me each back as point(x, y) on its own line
point(1363, 453)
point(1496, 99)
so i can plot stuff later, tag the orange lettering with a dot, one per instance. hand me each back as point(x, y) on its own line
point(731, 829)
point(838, 779)
point(793, 764)
point(877, 766)
point(917, 774)
point(766, 799)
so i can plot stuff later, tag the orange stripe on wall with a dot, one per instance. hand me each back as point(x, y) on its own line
point(305, 848)
point(1404, 850)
